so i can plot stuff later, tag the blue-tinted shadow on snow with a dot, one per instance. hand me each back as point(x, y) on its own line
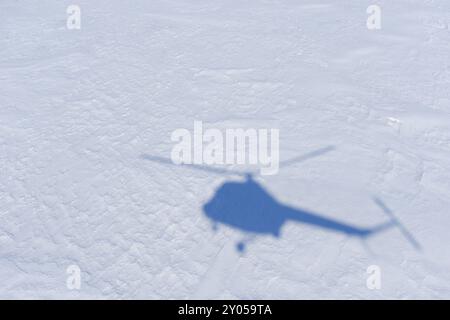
point(247, 206)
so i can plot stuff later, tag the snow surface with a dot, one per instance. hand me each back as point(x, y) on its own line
point(78, 108)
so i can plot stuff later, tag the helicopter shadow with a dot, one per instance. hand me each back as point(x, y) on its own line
point(247, 206)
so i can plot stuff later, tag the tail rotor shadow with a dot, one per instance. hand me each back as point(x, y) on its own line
point(395, 222)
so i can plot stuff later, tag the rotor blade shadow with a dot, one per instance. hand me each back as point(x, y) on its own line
point(307, 156)
point(209, 169)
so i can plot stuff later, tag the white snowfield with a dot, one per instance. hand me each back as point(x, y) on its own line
point(80, 108)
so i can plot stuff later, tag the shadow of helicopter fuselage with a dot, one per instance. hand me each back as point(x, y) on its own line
point(249, 207)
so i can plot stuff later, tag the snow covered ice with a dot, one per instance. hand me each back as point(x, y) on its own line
point(80, 107)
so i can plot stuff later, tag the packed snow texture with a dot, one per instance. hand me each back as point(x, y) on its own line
point(79, 108)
